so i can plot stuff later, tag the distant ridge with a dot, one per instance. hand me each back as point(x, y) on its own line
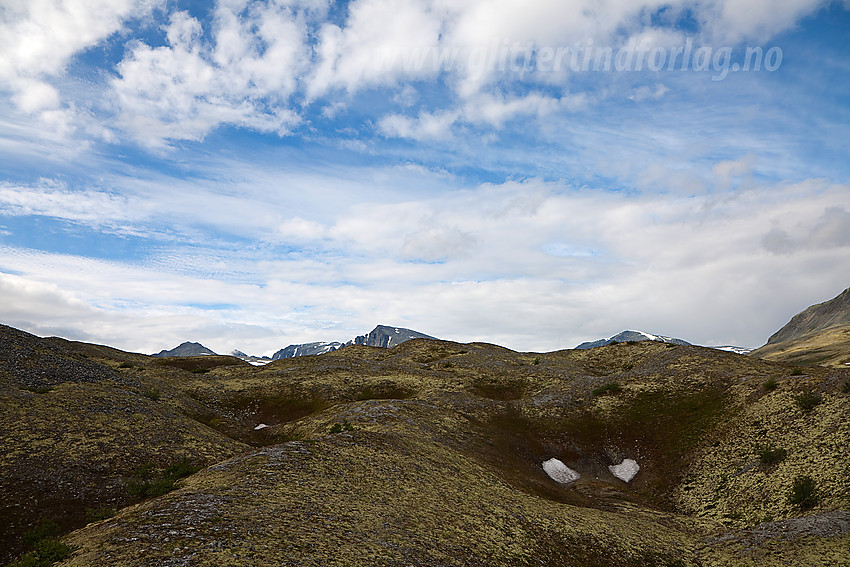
point(387, 337)
point(187, 349)
point(306, 349)
point(631, 335)
point(819, 334)
point(819, 317)
point(382, 336)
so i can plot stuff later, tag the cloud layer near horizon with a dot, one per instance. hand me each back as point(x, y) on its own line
point(495, 262)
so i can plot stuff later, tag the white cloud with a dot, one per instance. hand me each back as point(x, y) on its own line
point(55, 200)
point(38, 38)
point(243, 75)
point(756, 20)
point(259, 62)
point(496, 110)
point(300, 230)
point(804, 232)
point(479, 43)
point(725, 171)
point(382, 42)
point(427, 126)
point(438, 243)
point(644, 92)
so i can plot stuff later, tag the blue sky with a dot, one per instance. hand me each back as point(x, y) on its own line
point(533, 174)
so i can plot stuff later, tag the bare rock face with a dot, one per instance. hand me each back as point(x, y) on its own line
point(306, 349)
point(387, 337)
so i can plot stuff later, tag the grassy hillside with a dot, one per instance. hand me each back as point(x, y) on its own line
point(819, 335)
point(830, 347)
point(430, 453)
point(815, 319)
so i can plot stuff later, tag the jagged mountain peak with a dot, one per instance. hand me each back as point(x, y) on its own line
point(306, 349)
point(385, 336)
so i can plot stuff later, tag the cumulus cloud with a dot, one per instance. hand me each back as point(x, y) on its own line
point(243, 74)
point(38, 38)
point(258, 63)
point(757, 20)
point(374, 49)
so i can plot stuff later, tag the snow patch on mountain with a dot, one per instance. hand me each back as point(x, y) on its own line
point(735, 349)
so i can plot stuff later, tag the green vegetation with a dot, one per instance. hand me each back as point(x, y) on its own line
point(846, 387)
point(771, 385)
point(797, 371)
point(807, 400)
point(46, 529)
point(770, 455)
point(804, 493)
point(536, 360)
point(610, 388)
point(46, 553)
point(46, 548)
point(340, 427)
point(148, 484)
point(152, 394)
point(126, 365)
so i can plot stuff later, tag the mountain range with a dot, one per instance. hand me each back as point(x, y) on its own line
point(382, 336)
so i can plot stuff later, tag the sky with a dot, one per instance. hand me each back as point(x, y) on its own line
point(535, 174)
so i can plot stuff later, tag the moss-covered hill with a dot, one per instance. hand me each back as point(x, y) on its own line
point(430, 454)
point(819, 335)
point(829, 347)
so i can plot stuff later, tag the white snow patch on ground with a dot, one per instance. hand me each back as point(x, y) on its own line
point(261, 426)
point(559, 472)
point(626, 470)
